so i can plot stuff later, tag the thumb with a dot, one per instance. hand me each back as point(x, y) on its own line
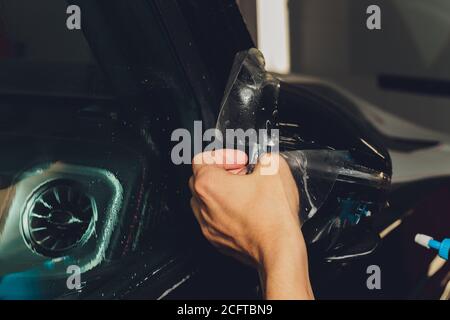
point(227, 159)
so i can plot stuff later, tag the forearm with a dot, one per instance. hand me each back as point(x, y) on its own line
point(284, 271)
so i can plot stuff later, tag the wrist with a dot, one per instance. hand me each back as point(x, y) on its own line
point(283, 268)
point(288, 246)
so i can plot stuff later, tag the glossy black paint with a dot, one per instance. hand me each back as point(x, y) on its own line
point(309, 121)
point(157, 243)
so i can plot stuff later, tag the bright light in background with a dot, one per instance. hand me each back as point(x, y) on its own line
point(273, 34)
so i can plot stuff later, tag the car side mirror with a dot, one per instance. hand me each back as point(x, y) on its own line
point(341, 171)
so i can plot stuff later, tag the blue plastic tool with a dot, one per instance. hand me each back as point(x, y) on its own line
point(443, 247)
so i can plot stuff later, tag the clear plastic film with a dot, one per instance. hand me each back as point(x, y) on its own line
point(316, 172)
point(251, 102)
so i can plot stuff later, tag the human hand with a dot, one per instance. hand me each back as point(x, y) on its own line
point(253, 217)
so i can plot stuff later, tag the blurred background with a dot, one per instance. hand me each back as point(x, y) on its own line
point(329, 39)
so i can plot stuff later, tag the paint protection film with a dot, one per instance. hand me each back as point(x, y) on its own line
point(251, 103)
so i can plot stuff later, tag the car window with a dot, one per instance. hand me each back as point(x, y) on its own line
point(39, 55)
point(86, 118)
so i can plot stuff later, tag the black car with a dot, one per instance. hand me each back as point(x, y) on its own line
point(86, 177)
